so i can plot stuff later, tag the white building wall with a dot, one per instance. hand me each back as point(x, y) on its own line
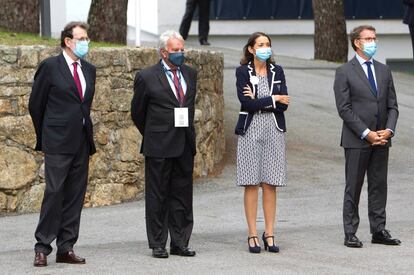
point(64, 11)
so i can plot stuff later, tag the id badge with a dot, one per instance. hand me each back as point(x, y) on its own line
point(181, 117)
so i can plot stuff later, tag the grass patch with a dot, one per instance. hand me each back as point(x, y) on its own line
point(17, 39)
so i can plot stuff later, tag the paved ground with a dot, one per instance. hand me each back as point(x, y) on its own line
point(309, 224)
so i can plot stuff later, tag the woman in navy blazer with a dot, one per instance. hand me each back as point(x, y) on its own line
point(262, 92)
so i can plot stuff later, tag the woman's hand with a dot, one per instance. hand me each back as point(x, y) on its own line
point(284, 99)
point(247, 91)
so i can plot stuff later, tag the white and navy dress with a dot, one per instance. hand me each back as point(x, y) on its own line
point(261, 155)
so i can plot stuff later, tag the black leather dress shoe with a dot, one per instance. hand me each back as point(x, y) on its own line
point(204, 42)
point(159, 252)
point(352, 241)
point(182, 251)
point(384, 237)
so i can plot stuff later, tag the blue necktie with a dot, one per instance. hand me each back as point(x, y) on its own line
point(371, 77)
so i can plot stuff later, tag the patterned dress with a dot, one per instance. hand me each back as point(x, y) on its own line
point(261, 155)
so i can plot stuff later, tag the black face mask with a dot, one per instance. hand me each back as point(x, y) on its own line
point(176, 59)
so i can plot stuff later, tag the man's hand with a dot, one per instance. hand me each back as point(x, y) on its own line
point(384, 134)
point(376, 139)
point(373, 138)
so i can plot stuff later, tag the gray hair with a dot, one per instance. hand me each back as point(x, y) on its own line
point(165, 36)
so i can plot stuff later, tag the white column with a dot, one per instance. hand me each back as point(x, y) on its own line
point(57, 17)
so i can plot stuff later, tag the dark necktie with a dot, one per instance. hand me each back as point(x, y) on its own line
point(77, 79)
point(178, 88)
point(371, 77)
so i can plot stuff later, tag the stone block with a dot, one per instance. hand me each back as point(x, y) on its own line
point(103, 93)
point(19, 129)
point(12, 91)
point(31, 200)
point(130, 192)
point(127, 140)
point(121, 100)
point(17, 168)
point(3, 202)
point(46, 52)
point(29, 57)
point(9, 54)
point(107, 194)
point(5, 107)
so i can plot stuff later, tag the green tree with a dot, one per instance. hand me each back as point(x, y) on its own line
point(108, 20)
point(330, 38)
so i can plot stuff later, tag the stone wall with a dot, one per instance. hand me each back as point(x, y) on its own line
point(116, 171)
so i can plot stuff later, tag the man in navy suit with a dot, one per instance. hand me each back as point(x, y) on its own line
point(60, 104)
point(409, 19)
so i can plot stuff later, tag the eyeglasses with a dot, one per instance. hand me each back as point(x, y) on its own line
point(82, 39)
point(369, 39)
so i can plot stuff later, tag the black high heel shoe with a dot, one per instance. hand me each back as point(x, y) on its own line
point(271, 248)
point(256, 248)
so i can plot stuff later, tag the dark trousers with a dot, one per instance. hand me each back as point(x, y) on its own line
point(411, 27)
point(169, 199)
point(374, 162)
point(203, 18)
point(66, 179)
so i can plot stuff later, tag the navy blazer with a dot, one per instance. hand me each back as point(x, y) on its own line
point(249, 106)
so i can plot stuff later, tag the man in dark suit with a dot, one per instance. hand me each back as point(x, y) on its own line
point(60, 105)
point(163, 111)
point(203, 19)
point(409, 19)
point(367, 104)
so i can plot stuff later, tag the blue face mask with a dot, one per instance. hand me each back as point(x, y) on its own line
point(263, 54)
point(176, 59)
point(81, 48)
point(369, 49)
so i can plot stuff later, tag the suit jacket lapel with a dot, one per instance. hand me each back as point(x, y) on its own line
point(67, 75)
point(165, 84)
point(360, 72)
point(187, 80)
point(252, 73)
point(87, 80)
point(378, 77)
point(271, 77)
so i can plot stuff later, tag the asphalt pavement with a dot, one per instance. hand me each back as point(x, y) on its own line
point(309, 211)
